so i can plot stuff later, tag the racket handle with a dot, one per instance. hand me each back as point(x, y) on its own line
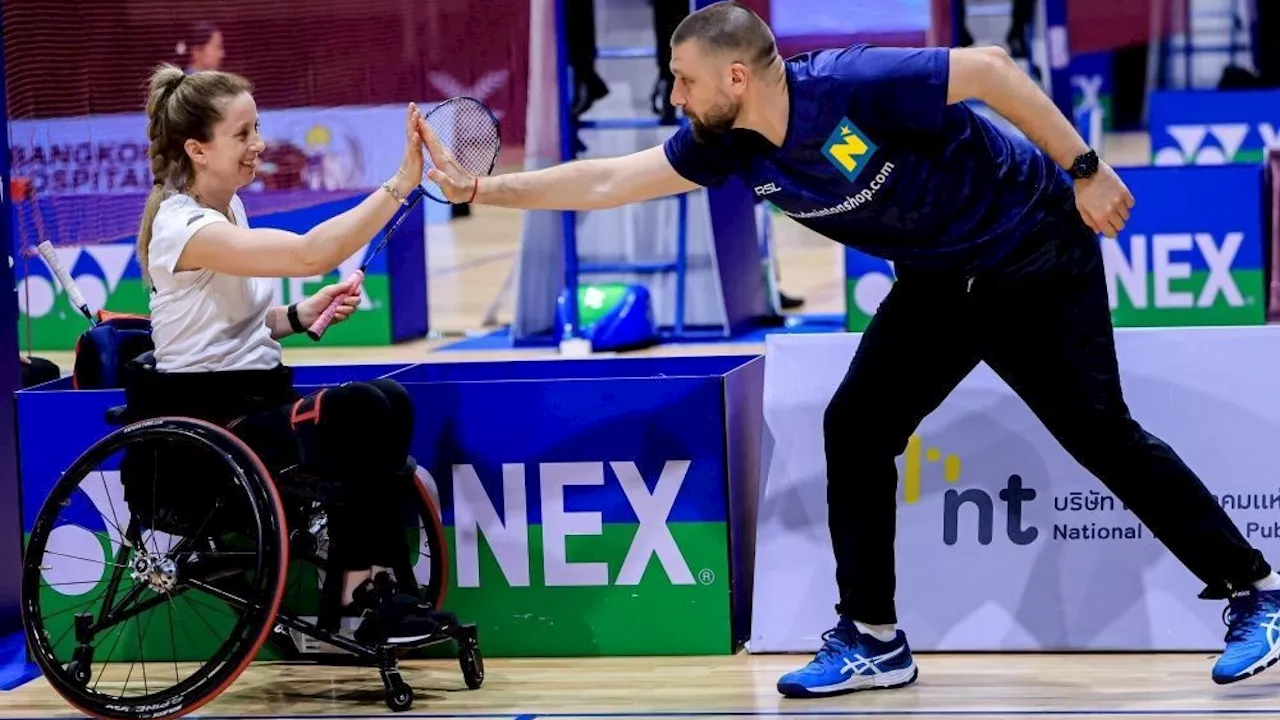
point(64, 278)
point(316, 331)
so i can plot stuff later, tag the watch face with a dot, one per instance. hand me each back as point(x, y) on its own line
point(1085, 165)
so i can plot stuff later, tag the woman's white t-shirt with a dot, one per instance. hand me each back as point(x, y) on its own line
point(202, 320)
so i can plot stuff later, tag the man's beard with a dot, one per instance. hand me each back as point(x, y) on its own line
point(715, 123)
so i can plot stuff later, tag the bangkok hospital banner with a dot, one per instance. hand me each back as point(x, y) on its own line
point(1004, 542)
point(332, 148)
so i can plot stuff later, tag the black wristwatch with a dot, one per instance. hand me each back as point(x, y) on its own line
point(1084, 166)
point(294, 322)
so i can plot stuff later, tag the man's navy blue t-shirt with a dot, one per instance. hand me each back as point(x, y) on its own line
point(875, 158)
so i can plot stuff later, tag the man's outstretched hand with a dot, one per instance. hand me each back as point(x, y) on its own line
point(457, 184)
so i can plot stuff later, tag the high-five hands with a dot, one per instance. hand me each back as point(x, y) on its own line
point(457, 185)
point(414, 160)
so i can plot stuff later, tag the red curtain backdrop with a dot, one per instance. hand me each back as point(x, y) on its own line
point(94, 56)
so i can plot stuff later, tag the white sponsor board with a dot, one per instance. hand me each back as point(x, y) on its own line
point(1003, 541)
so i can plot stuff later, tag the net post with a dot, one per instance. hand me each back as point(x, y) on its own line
point(568, 218)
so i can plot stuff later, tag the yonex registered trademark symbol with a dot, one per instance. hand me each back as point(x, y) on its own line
point(706, 577)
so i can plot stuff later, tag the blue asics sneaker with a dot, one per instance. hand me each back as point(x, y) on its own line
point(850, 661)
point(1253, 635)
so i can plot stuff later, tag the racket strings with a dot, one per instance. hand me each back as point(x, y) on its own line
point(469, 131)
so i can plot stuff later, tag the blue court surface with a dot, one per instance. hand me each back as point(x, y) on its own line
point(15, 669)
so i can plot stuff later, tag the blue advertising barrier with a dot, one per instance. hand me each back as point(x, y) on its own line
point(868, 280)
point(592, 507)
point(1191, 254)
point(1206, 127)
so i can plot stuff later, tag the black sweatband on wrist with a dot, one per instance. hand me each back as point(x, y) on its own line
point(294, 322)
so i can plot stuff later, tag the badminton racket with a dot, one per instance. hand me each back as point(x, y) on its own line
point(64, 278)
point(468, 132)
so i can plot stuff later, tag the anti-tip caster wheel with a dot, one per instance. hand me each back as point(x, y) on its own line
point(400, 698)
point(399, 694)
point(79, 672)
point(472, 663)
point(81, 666)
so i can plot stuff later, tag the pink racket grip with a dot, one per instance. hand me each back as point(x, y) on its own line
point(316, 331)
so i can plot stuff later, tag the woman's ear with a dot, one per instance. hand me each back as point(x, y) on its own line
point(195, 151)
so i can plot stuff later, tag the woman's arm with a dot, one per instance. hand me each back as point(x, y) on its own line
point(226, 247)
point(268, 252)
point(278, 322)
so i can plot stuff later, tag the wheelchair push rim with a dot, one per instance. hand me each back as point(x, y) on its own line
point(254, 616)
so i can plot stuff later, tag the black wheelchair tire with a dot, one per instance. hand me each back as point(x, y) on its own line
point(434, 527)
point(189, 695)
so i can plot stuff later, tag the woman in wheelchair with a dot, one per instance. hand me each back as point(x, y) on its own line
point(246, 476)
point(216, 333)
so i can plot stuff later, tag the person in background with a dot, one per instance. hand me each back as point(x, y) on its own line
point(201, 49)
point(1019, 25)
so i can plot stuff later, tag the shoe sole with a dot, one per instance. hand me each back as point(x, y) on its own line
point(1267, 661)
point(884, 681)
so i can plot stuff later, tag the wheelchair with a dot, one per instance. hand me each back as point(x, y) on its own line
point(199, 535)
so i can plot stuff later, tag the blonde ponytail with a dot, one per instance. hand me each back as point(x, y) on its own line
point(164, 83)
point(154, 198)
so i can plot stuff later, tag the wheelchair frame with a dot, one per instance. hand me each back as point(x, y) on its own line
point(295, 543)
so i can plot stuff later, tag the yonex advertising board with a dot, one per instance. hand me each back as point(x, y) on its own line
point(1093, 86)
point(868, 280)
point(1004, 542)
point(587, 504)
point(1191, 253)
point(1210, 127)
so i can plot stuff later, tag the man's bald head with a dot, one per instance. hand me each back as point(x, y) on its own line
point(717, 54)
point(728, 29)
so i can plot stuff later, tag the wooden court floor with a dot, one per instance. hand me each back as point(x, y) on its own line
point(742, 686)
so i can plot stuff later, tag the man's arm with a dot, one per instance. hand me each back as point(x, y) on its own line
point(990, 75)
point(592, 184)
point(585, 184)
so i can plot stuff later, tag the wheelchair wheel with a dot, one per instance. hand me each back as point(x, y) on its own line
point(188, 533)
point(426, 537)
